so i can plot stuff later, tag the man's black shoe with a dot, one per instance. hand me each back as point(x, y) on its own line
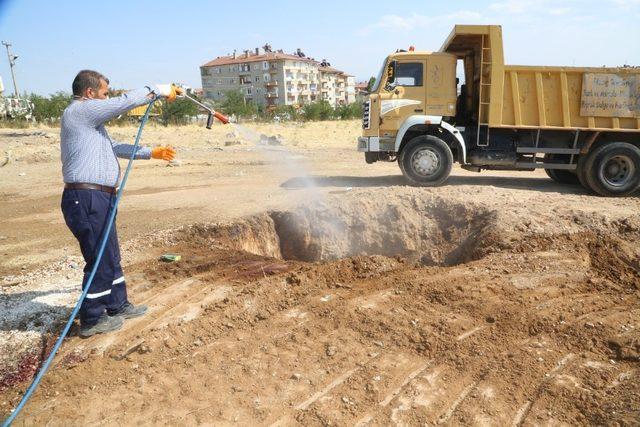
point(129, 311)
point(105, 324)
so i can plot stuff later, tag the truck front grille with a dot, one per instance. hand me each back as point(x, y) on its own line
point(366, 114)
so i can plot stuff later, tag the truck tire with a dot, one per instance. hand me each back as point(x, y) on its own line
point(426, 161)
point(580, 173)
point(560, 175)
point(613, 169)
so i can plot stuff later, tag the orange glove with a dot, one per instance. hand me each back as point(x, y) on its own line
point(163, 153)
point(170, 92)
point(175, 91)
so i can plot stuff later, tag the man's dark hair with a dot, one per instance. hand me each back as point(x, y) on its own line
point(87, 79)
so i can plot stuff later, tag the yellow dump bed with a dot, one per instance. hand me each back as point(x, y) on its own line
point(139, 111)
point(539, 96)
point(570, 97)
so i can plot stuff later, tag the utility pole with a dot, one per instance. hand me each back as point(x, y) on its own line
point(12, 63)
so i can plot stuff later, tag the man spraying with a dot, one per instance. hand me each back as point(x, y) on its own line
point(91, 174)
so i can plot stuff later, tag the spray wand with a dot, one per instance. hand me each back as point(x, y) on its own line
point(212, 113)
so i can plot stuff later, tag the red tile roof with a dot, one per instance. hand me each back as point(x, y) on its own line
point(241, 58)
point(333, 71)
point(268, 56)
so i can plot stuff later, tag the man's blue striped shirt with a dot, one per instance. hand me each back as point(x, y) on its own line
point(88, 153)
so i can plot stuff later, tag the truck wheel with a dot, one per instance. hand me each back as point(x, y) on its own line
point(613, 169)
point(560, 175)
point(426, 161)
point(580, 173)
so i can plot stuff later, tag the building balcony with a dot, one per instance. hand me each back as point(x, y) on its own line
point(271, 95)
point(271, 83)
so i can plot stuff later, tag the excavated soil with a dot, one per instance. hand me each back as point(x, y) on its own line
point(413, 309)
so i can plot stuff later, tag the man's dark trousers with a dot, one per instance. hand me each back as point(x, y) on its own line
point(86, 213)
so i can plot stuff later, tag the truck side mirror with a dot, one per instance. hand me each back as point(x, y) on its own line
point(391, 76)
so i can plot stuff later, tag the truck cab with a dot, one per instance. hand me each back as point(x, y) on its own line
point(413, 90)
point(416, 94)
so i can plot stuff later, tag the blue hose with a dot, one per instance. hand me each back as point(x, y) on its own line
point(103, 244)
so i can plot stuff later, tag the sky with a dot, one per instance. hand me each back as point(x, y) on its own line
point(136, 43)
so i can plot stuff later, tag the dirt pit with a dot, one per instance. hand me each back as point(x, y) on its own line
point(413, 310)
point(432, 233)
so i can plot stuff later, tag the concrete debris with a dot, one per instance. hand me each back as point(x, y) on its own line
point(270, 140)
point(331, 350)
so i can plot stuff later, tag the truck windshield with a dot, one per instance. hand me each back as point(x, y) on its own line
point(376, 84)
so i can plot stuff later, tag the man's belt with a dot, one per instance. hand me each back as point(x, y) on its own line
point(83, 186)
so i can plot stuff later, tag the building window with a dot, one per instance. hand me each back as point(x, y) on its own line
point(409, 74)
point(204, 71)
point(274, 66)
point(266, 77)
point(244, 67)
point(248, 91)
point(257, 79)
point(265, 65)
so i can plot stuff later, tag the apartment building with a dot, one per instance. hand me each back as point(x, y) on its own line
point(276, 78)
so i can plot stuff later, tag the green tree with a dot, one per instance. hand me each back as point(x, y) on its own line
point(49, 108)
point(234, 102)
point(370, 84)
point(349, 111)
point(285, 112)
point(320, 110)
point(178, 112)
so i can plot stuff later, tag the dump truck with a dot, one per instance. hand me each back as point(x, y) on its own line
point(579, 124)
